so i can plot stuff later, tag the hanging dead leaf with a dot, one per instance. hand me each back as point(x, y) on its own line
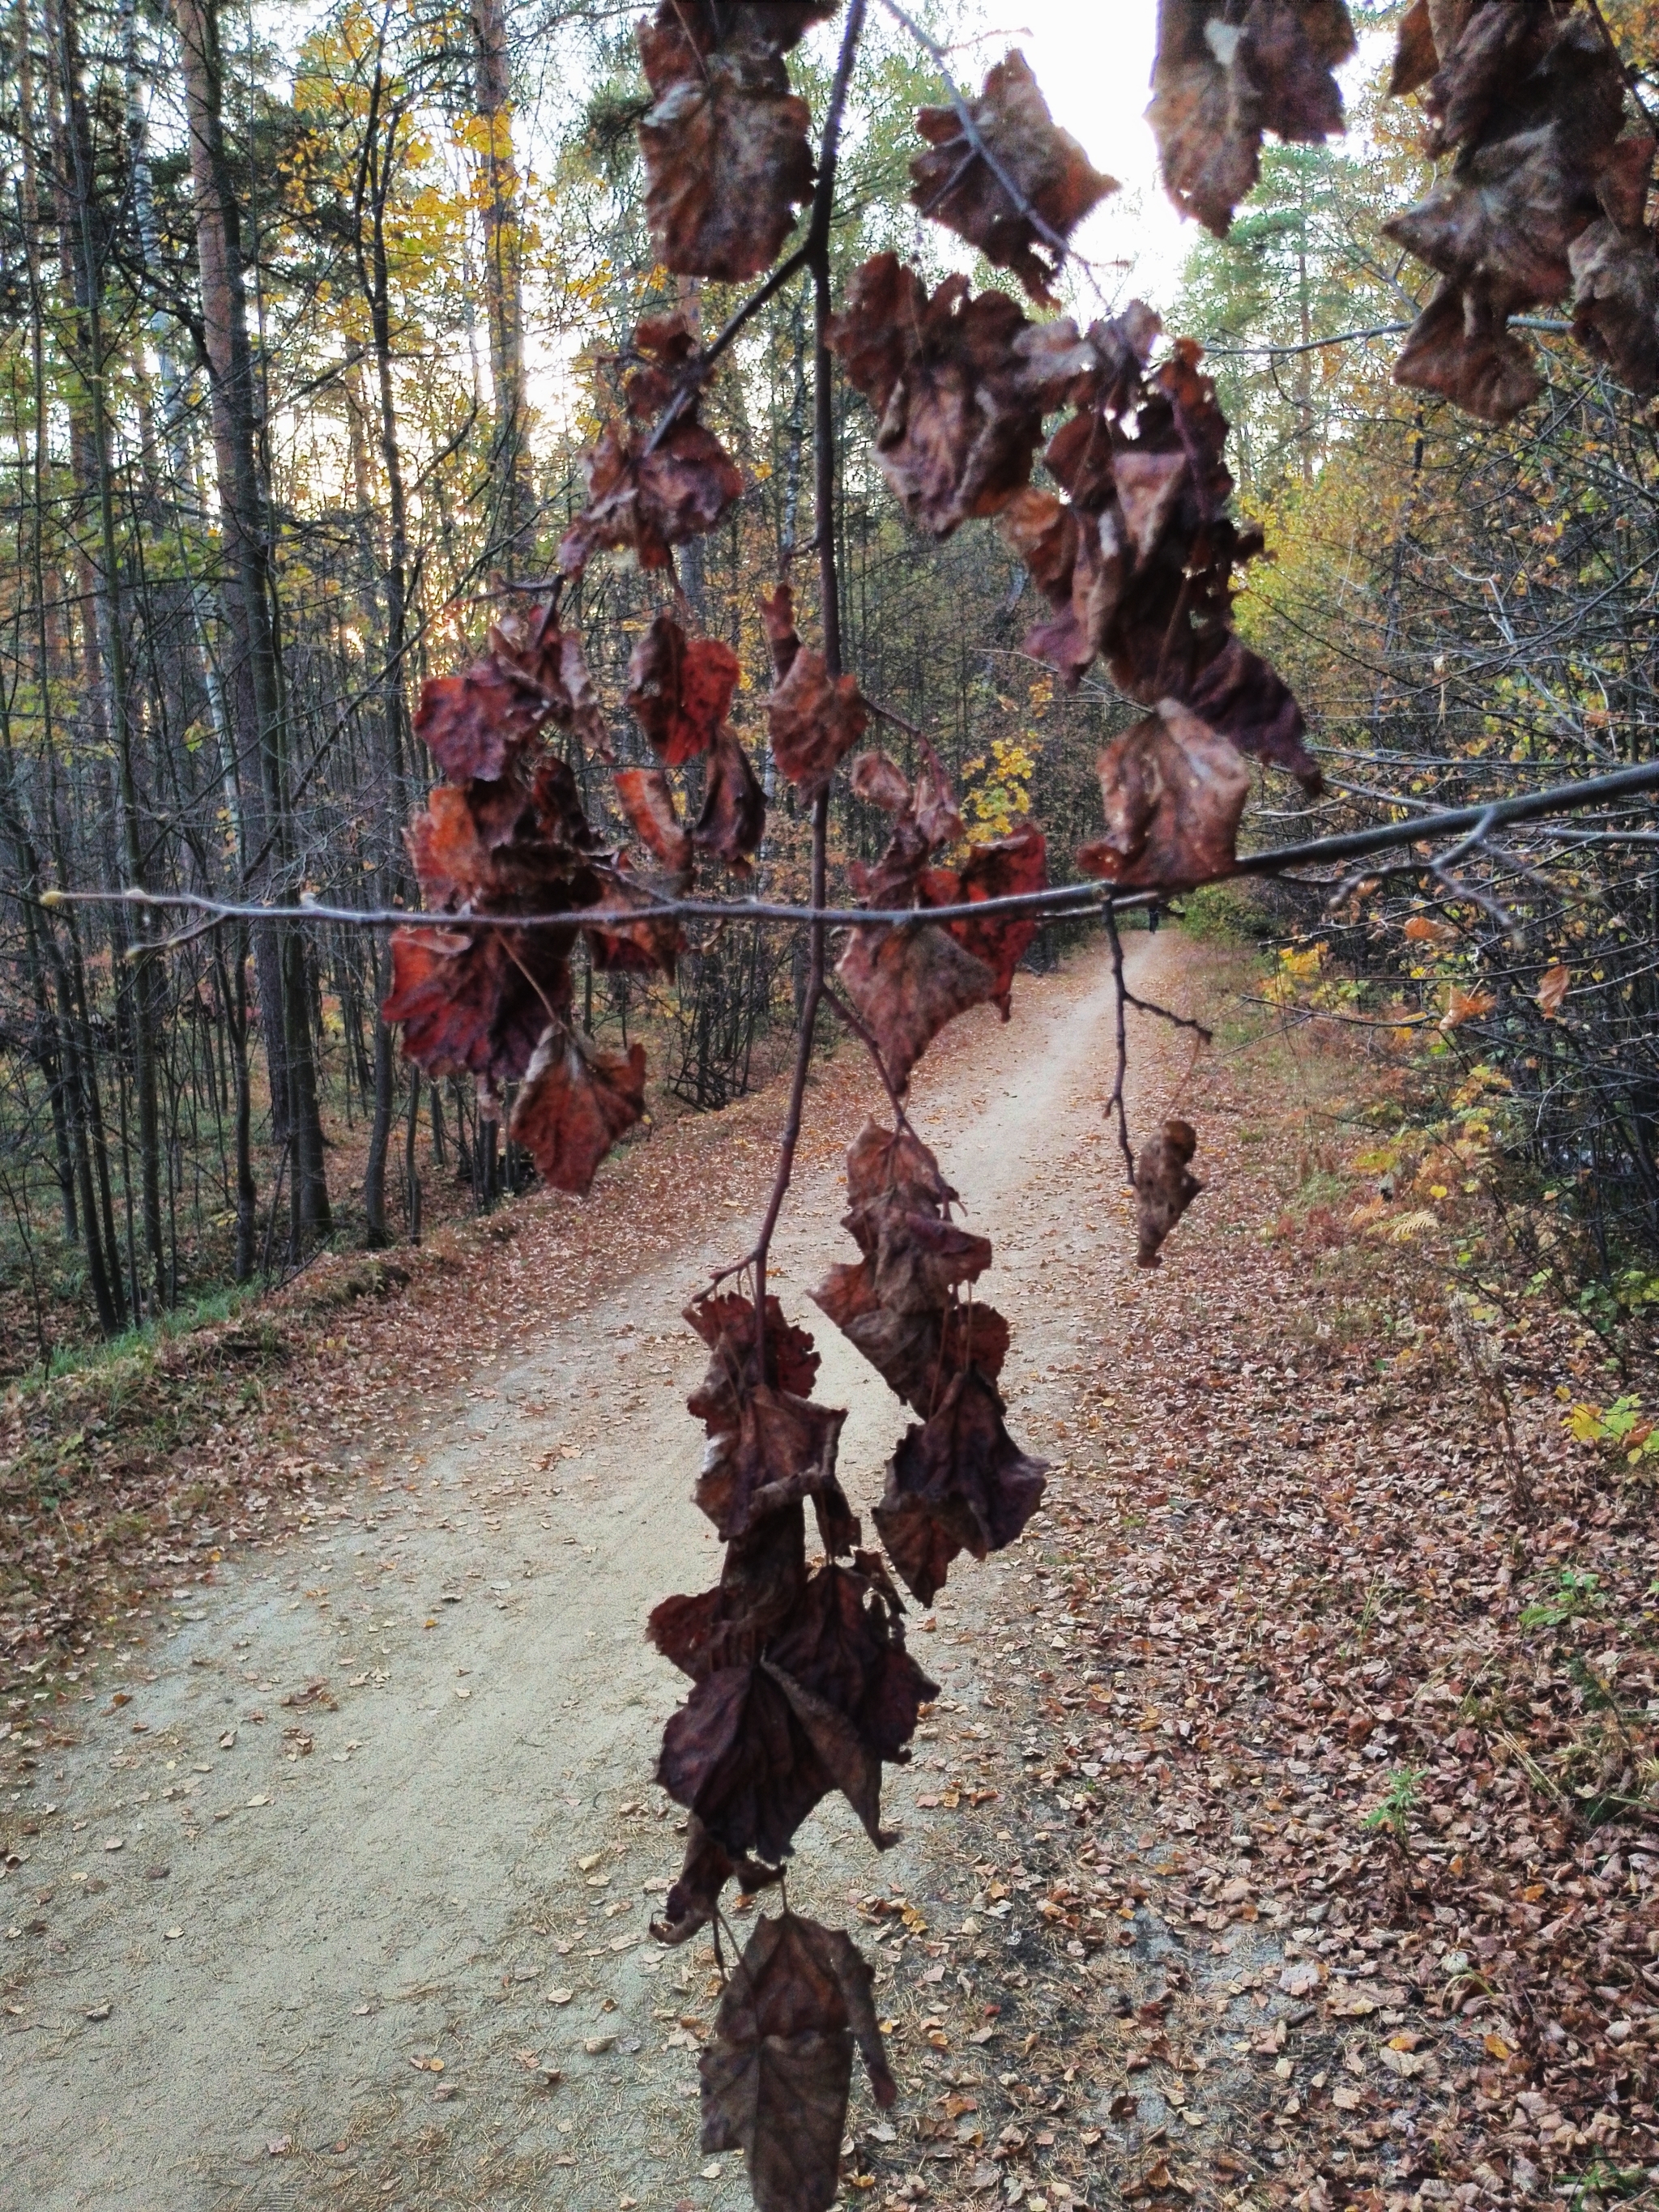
point(959, 387)
point(777, 2075)
point(1003, 867)
point(1174, 793)
point(648, 799)
point(476, 1002)
point(472, 724)
point(733, 819)
point(1534, 102)
point(782, 1450)
point(959, 1483)
point(778, 617)
point(1554, 986)
point(1225, 74)
point(726, 155)
point(681, 690)
point(574, 1105)
point(644, 941)
point(1051, 175)
point(1463, 1006)
point(906, 982)
point(736, 1755)
point(814, 720)
point(690, 1904)
point(553, 661)
point(1164, 1187)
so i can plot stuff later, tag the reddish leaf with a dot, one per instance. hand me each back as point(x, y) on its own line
point(1416, 56)
point(1006, 867)
point(907, 983)
point(1462, 348)
point(1534, 103)
point(777, 2075)
point(1615, 268)
point(1048, 168)
point(959, 387)
point(690, 1904)
point(473, 723)
point(881, 782)
point(880, 1162)
point(727, 1325)
point(1138, 561)
point(645, 942)
point(1173, 792)
point(726, 155)
point(476, 1002)
point(648, 799)
point(782, 1450)
point(736, 1755)
point(959, 1483)
point(680, 691)
point(733, 819)
point(814, 720)
point(844, 1642)
point(1219, 83)
point(778, 614)
point(1163, 1187)
point(552, 659)
point(574, 1105)
point(650, 500)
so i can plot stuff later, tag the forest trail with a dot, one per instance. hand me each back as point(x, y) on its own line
point(377, 1844)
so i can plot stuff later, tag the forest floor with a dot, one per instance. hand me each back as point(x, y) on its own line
point(327, 1862)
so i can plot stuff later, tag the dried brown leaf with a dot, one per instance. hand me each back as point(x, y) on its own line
point(733, 819)
point(681, 689)
point(574, 1105)
point(1049, 171)
point(728, 159)
point(1163, 1187)
point(777, 2075)
point(814, 720)
point(1174, 793)
point(959, 1483)
point(906, 982)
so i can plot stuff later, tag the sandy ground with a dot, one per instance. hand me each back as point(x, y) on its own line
point(368, 1843)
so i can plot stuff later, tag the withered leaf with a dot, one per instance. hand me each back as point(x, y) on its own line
point(1416, 55)
point(726, 155)
point(1225, 74)
point(1163, 1187)
point(777, 2075)
point(1534, 100)
point(1138, 558)
point(881, 782)
point(844, 1642)
point(959, 1483)
point(1002, 867)
point(778, 615)
point(644, 941)
point(553, 661)
point(476, 1002)
point(733, 819)
point(648, 799)
point(736, 1755)
point(882, 1160)
point(473, 723)
point(814, 720)
point(726, 1323)
point(650, 500)
point(690, 1904)
point(1554, 986)
point(575, 1104)
point(906, 982)
point(1462, 349)
point(1049, 171)
point(681, 690)
point(1174, 793)
point(959, 385)
point(782, 1450)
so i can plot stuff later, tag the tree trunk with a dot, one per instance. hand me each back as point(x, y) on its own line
point(249, 597)
point(513, 528)
point(105, 637)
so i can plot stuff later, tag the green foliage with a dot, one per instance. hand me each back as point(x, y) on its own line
point(1575, 1595)
point(1393, 1815)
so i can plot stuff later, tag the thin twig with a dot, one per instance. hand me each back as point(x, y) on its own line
point(1116, 1103)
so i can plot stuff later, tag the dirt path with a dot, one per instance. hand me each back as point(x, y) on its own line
point(370, 1843)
